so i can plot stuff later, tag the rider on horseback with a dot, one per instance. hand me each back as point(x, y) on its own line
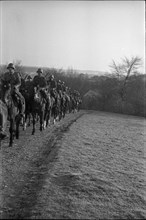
point(52, 86)
point(40, 83)
point(59, 88)
point(28, 78)
point(63, 87)
point(39, 80)
point(28, 82)
point(14, 80)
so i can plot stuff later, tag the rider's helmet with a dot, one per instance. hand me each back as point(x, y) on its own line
point(10, 65)
point(39, 70)
point(51, 76)
point(29, 77)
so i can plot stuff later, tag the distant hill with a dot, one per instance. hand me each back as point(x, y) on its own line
point(32, 70)
point(91, 72)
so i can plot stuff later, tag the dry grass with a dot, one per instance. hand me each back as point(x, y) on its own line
point(87, 167)
point(99, 171)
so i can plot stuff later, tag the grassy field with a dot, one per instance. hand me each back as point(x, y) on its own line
point(91, 165)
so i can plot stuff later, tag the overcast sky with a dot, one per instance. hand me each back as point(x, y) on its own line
point(84, 35)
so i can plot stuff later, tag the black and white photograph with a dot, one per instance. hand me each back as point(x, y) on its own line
point(72, 110)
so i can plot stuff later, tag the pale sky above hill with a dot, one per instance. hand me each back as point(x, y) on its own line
point(77, 34)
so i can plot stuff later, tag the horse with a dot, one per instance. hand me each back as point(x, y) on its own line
point(58, 107)
point(49, 106)
point(13, 111)
point(66, 104)
point(26, 89)
point(3, 118)
point(64, 100)
point(35, 99)
point(38, 106)
point(79, 103)
point(73, 104)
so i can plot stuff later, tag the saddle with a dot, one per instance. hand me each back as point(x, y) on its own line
point(16, 99)
point(44, 94)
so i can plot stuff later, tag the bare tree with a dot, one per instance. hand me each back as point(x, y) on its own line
point(123, 70)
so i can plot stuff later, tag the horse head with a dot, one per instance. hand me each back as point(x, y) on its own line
point(6, 86)
point(36, 94)
point(6, 89)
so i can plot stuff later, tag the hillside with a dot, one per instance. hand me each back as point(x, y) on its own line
point(90, 165)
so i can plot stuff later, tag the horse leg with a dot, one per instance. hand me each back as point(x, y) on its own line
point(60, 112)
point(24, 121)
point(37, 117)
point(29, 119)
point(54, 119)
point(33, 120)
point(64, 111)
point(45, 118)
point(57, 113)
point(41, 121)
point(12, 132)
point(49, 118)
point(44, 123)
point(24, 118)
point(17, 121)
point(53, 114)
point(56, 116)
point(17, 130)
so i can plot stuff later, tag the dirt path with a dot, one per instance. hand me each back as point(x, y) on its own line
point(88, 166)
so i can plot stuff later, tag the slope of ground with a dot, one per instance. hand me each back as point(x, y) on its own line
point(99, 171)
point(91, 165)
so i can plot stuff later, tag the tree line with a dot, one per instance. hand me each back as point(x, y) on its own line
point(123, 90)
